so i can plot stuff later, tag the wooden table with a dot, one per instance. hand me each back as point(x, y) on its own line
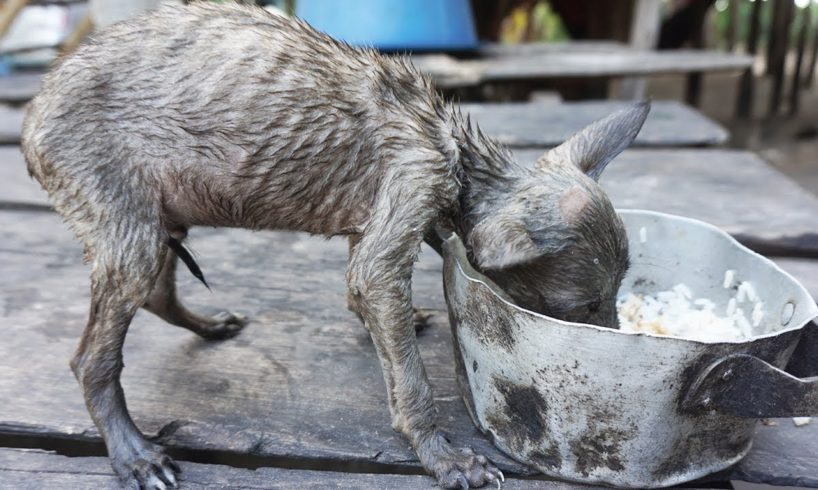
point(732, 189)
point(300, 390)
point(535, 124)
point(301, 386)
point(497, 63)
point(540, 61)
point(19, 88)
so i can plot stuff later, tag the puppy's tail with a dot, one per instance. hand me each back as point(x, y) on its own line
point(191, 264)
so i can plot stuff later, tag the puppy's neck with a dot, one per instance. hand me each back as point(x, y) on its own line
point(487, 172)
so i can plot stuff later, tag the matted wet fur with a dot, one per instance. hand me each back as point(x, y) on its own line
point(225, 115)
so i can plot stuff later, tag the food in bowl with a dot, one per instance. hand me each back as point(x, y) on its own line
point(678, 313)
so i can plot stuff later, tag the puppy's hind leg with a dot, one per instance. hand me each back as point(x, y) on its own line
point(164, 303)
point(127, 260)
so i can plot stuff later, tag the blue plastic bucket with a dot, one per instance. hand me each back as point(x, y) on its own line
point(394, 25)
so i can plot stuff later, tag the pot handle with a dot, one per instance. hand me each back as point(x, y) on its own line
point(745, 386)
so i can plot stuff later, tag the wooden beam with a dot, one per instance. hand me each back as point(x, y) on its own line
point(85, 26)
point(8, 13)
point(647, 19)
point(795, 86)
point(777, 60)
point(733, 27)
point(811, 67)
point(744, 104)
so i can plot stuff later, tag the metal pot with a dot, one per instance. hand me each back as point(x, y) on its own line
point(595, 405)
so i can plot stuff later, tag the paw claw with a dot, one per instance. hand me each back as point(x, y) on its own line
point(148, 470)
point(456, 467)
point(421, 317)
point(166, 461)
point(228, 325)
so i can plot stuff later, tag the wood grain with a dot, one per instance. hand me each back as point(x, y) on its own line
point(533, 125)
point(570, 60)
point(734, 190)
point(35, 470)
point(302, 382)
point(19, 87)
point(669, 124)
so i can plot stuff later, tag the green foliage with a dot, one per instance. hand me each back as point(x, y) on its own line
point(722, 21)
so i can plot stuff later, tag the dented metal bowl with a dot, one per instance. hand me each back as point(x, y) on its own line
point(594, 405)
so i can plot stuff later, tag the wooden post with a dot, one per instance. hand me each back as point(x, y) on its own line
point(644, 34)
point(744, 104)
point(85, 26)
point(733, 26)
point(693, 84)
point(795, 86)
point(772, 35)
point(777, 61)
point(8, 13)
point(811, 67)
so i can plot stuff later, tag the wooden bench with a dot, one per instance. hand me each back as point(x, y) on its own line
point(19, 88)
point(541, 61)
point(300, 389)
point(536, 124)
point(301, 385)
point(735, 190)
point(22, 469)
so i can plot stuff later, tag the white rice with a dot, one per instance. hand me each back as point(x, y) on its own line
point(678, 313)
point(729, 274)
point(801, 421)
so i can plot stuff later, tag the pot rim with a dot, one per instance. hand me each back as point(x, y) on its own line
point(458, 252)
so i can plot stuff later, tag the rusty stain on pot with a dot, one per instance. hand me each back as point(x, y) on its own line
point(728, 439)
point(523, 413)
point(487, 325)
point(549, 458)
point(600, 445)
point(522, 420)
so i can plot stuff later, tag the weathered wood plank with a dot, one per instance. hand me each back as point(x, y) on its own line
point(734, 190)
point(531, 124)
point(34, 470)
point(301, 382)
point(569, 60)
point(19, 87)
point(513, 63)
point(11, 123)
point(805, 270)
point(534, 125)
point(17, 189)
point(782, 455)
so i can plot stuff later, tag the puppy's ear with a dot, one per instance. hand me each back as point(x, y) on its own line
point(519, 233)
point(498, 243)
point(592, 148)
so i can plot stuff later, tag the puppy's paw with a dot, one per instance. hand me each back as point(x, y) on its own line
point(456, 467)
point(224, 325)
point(421, 317)
point(150, 470)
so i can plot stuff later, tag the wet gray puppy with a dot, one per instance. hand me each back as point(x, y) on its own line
point(226, 115)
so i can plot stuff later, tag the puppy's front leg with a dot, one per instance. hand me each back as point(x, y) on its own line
point(380, 277)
